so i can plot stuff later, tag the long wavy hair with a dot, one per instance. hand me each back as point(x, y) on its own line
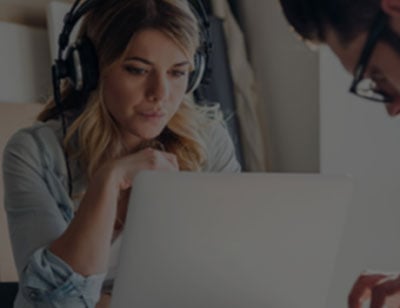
point(93, 136)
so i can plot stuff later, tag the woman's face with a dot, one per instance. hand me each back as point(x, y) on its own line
point(145, 89)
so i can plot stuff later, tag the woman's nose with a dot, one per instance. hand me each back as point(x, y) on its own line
point(158, 88)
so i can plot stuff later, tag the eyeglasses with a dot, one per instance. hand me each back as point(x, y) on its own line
point(366, 87)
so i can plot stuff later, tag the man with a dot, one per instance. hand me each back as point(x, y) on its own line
point(365, 36)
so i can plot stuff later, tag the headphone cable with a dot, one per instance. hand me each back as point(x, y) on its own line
point(57, 100)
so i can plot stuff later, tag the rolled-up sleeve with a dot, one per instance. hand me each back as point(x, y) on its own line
point(38, 212)
point(50, 281)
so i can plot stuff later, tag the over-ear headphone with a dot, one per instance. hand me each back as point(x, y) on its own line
point(80, 64)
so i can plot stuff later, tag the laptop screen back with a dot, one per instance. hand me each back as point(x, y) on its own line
point(230, 240)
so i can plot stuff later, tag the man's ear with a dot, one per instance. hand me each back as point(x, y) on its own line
point(391, 7)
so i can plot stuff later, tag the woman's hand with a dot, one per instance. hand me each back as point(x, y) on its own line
point(122, 171)
point(85, 245)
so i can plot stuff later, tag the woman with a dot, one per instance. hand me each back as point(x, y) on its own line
point(138, 118)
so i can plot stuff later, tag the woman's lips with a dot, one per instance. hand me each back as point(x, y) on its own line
point(152, 114)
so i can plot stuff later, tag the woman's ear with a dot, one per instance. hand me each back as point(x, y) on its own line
point(391, 7)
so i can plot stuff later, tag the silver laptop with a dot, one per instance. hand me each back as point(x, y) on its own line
point(250, 240)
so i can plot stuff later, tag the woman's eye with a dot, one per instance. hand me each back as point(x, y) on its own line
point(135, 70)
point(178, 73)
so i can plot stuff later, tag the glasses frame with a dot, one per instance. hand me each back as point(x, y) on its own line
point(376, 31)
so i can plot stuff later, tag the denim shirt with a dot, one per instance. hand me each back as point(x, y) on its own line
point(39, 210)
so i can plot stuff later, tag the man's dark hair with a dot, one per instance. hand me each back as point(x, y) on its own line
point(310, 18)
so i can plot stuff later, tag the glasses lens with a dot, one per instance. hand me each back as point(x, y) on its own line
point(368, 88)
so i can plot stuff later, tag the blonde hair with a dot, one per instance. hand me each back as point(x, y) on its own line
point(93, 136)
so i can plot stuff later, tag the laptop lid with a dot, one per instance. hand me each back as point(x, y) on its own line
point(230, 240)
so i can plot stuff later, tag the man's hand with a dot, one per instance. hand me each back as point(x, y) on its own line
point(382, 289)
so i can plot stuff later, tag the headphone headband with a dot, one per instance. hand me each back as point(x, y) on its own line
point(73, 65)
point(70, 20)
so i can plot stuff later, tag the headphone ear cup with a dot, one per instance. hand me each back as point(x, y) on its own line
point(82, 65)
point(197, 74)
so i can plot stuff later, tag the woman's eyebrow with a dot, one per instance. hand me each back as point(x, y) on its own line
point(139, 59)
point(182, 63)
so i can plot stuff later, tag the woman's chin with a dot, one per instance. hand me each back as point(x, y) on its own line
point(142, 135)
point(146, 136)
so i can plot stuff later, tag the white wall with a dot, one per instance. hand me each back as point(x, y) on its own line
point(287, 74)
point(25, 66)
point(31, 13)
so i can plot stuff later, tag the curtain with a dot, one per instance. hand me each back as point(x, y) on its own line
point(253, 144)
